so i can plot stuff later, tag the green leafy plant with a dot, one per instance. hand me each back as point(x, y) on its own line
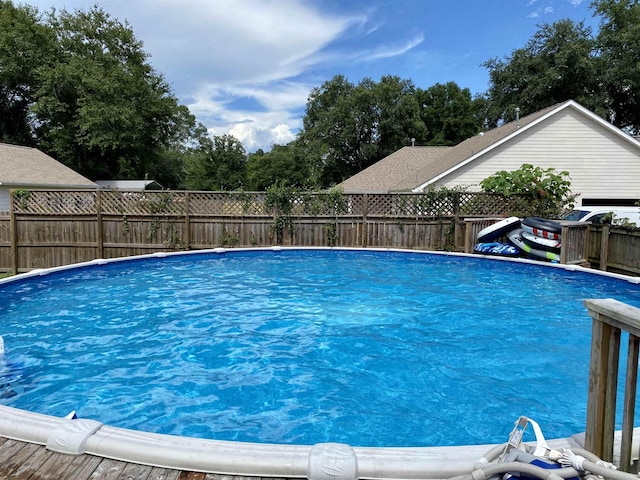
point(22, 195)
point(280, 200)
point(549, 191)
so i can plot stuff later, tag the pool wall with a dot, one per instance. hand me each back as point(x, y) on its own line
point(317, 462)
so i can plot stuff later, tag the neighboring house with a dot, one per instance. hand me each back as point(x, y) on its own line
point(603, 161)
point(29, 168)
point(131, 185)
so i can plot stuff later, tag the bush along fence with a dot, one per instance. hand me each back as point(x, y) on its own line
point(48, 228)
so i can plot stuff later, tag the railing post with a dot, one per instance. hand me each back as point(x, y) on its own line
point(610, 317)
point(631, 384)
point(598, 409)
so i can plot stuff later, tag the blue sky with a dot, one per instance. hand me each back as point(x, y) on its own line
point(246, 67)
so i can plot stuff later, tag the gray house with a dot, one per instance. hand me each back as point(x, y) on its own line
point(25, 167)
point(602, 160)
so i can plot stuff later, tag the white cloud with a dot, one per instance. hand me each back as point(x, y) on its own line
point(388, 51)
point(233, 42)
point(213, 52)
point(222, 50)
point(255, 137)
point(275, 118)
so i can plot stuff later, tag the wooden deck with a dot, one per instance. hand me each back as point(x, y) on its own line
point(20, 460)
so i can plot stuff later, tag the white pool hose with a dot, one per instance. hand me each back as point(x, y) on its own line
point(600, 468)
point(513, 458)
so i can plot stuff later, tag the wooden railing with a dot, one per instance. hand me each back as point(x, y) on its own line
point(610, 319)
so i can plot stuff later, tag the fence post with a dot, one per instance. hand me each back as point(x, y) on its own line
point(365, 213)
point(604, 247)
point(99, 224)
point(187, 222)
point(14, 234)
point(457, 234)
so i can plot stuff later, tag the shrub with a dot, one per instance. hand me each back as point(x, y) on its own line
point(549, 190)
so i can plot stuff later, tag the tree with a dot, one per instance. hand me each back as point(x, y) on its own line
point(397, 120)
point(79, 87)
point(328, 124)
point(557, 64)
point(102, 108)
point(449, 114)
point(348, 127)
point(217, 164)
point(618, 42)
point(282, 164)
point(25, 47)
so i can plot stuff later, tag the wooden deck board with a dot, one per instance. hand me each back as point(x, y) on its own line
point(28, 461)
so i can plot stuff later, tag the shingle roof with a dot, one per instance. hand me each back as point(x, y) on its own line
point(411, 167)
point(472, 147)
point(393, 170)
point(29, 167)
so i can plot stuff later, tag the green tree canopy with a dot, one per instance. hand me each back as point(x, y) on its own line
point(282, 164)
point(348, 127)
point(79, 86)
point(103, 110)
point(618, 42)
point(217, 164)
point(557, 64)
point(26, 46)
point(449, 113)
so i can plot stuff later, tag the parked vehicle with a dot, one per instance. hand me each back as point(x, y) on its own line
point(606, 215)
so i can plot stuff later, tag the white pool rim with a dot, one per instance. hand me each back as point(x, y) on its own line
point(85, 436)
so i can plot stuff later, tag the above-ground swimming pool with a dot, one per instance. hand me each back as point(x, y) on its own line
point(304, 346)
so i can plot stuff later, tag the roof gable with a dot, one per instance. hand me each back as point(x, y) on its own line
point(29, 167)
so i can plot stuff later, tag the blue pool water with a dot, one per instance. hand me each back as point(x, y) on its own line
point(305, 346)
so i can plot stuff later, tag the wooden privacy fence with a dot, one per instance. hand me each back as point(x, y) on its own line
point(610, 318)
point(52, 228)
point(615, 248)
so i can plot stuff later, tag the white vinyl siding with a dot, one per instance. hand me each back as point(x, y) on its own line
point(601, 164)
